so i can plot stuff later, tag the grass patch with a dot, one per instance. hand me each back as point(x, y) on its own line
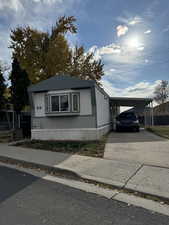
point(86, 148)
point(162, 131)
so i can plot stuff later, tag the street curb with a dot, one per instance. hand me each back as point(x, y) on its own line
point(67, 173)
point(58, 171)
point(49, 169)
point(13, 143)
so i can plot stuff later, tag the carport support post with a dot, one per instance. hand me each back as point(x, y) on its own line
point(152, 114)
point(19, 121)
point(145, 117)
point(13, 119)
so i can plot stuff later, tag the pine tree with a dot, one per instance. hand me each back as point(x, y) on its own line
point(19, 83)
point(2, 90)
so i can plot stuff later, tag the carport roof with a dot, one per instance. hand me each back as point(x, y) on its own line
point(128, 101)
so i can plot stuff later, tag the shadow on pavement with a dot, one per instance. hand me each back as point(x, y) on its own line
point(12, 181)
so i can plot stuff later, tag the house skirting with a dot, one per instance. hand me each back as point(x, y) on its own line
point(84, 134)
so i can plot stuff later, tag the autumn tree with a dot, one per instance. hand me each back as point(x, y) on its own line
point(2, 89)
point(45, 54)
point(19, 83)
point(161, 92)
point(84, 65)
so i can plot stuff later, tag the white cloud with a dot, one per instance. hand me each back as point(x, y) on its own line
point(140, 48)
point(166, 29)
point(110, 49)
point(48, 1)
point(140, 90)
point(147, 32)
point(11, 4)
point(112, 70)
point(135, 20)
point(115, 53)
point(119, 66)
point(130, 21)
point(18, 5)
point(151, 9)
point(110, 89)
point(35, 13)
point(121, 30)
point(116, 75)
point(94, 49)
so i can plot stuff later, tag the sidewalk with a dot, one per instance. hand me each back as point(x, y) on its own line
point(122, 174)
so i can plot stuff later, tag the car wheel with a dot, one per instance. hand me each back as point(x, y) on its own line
point(137, 129)
point(117, 129)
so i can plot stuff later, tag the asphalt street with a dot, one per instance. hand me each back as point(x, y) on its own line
point(28, 200)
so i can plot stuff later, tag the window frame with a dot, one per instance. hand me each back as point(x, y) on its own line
point(59, 95)
point(70, 111)
point(78, 102)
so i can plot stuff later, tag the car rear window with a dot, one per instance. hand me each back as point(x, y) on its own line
point(127, 116)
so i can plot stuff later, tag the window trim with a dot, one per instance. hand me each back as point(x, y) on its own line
point(59, 95)
point(78, 102)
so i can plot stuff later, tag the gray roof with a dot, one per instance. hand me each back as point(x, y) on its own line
point(61, 82)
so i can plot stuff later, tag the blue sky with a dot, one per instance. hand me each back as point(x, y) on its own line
point(131, 37)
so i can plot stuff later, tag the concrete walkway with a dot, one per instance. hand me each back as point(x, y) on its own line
point(134, 176)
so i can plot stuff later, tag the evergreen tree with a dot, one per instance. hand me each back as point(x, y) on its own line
point(19, 83)
point(2, 90)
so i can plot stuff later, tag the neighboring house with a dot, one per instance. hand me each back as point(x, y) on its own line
point(67, 108)
point(9, 120)
point(161, 114)
point(162, 109)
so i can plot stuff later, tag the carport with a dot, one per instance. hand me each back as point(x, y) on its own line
point(142, 106)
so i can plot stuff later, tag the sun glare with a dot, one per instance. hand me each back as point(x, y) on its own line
point(134, 42)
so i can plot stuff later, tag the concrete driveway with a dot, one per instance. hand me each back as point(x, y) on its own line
point(143, 147)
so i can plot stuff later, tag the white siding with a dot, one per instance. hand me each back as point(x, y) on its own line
point(85, 102)
point(103, 108)
point(69, 134)
point(39, 104)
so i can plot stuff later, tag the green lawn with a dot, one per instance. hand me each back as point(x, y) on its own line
point(86, 148)
point(162, 131)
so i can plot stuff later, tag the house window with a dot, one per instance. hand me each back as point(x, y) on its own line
point(60, 103)
point(64, 103)
point(55, 103)
point(75, 102)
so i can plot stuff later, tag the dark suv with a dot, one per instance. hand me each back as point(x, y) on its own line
point(126, 121)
